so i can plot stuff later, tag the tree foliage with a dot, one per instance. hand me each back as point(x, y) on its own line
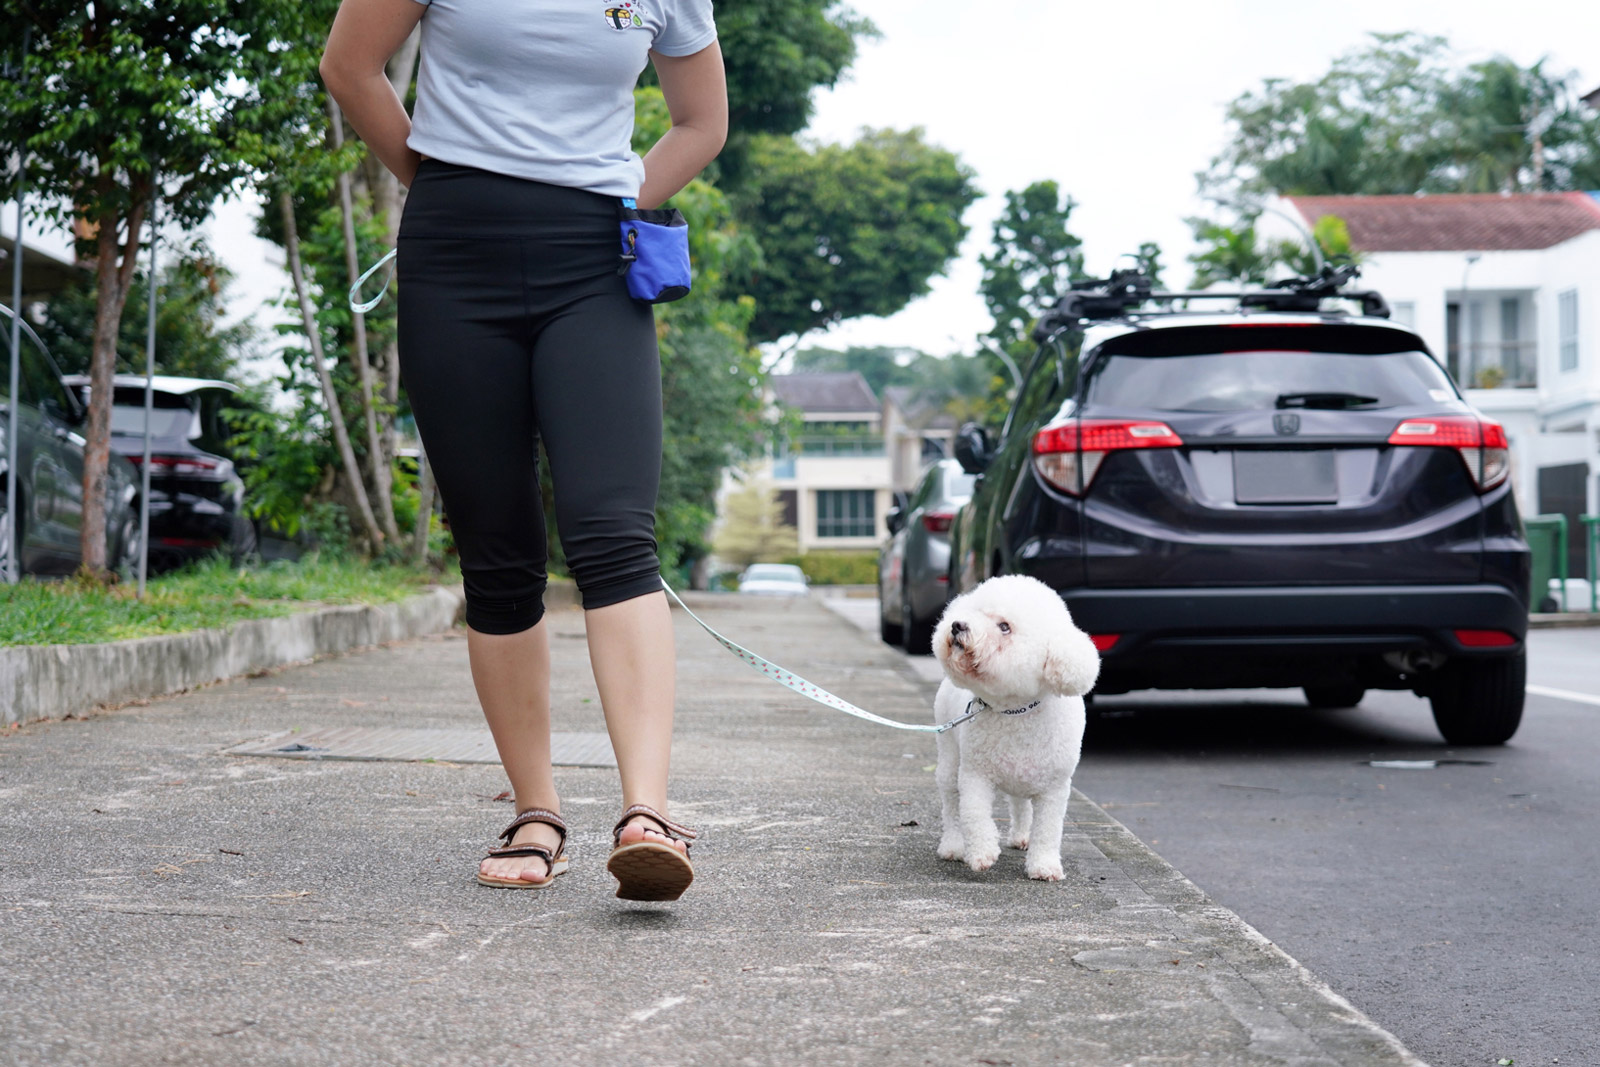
point(753, 529)
point(191, 337)
point(1402, 115)
point(848, 230)
point(115, 104)
point(776, 55)
point(1032, 261)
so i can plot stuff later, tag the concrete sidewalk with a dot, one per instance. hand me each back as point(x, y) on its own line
point(163, 902)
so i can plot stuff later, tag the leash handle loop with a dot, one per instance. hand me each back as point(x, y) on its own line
point(790, 680)
point(356, 303)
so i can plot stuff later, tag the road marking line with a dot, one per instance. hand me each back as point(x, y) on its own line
point(1564, 694)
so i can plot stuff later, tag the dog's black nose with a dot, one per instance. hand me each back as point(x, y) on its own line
point(958, 630)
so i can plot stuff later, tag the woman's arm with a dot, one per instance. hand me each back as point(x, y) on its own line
point(696, 92)
point(365, 34)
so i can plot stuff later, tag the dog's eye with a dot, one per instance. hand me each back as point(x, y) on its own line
point(1005, 627)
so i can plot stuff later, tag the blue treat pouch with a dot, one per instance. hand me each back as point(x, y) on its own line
point(655, 253)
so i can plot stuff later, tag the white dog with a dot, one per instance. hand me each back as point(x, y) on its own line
point(1010, 651)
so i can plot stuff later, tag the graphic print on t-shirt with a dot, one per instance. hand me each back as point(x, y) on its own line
point(625, 16)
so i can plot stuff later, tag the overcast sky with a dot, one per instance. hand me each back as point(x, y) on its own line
point(1119, 103)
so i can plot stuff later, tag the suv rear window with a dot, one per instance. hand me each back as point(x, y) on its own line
point(1246, 381)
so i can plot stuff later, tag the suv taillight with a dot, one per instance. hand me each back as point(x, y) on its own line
point(937, 521)
point(1481, 443)
point(193, 466)
point(1068, 455)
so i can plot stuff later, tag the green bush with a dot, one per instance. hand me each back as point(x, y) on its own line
point(839, 568)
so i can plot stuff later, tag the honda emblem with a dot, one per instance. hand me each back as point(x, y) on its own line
point(1286, 424)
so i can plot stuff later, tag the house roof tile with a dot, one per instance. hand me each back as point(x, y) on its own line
point(830, 391)
point(1456, 223)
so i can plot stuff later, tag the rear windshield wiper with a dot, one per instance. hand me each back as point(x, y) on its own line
point(1332, 401)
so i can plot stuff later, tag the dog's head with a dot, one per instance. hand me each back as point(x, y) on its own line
point(1012, 640)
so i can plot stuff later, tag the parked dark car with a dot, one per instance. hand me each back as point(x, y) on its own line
point(196, 495)
point(914, 564)
point(1282, 495)
point(47, 533)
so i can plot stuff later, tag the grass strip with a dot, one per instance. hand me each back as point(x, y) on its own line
point(205, 595)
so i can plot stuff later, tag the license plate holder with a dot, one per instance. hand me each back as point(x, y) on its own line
point(1308, 476)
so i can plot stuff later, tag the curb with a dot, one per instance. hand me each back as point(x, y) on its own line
point(39, 682)
point(1297, 1017)
point(1562, 620)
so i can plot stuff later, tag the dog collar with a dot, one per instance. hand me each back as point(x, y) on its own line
point(983, 705)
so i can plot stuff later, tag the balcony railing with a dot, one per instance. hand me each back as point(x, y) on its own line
point(837, 445)
point(1495, 364)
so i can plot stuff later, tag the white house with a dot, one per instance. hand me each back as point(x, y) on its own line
point(833, 476)
point(837, 476)
point(1505, 289)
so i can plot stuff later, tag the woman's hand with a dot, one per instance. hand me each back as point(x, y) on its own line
point(696, 91)
point(365, 34)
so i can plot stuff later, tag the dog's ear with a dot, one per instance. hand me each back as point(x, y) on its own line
point(1071, 663)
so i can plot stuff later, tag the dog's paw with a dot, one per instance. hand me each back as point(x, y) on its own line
point(1019, 843)
point(982, 861)
point(1045, 872)
point(950, 848)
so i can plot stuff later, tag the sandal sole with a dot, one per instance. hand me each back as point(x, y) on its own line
point(649, 871)
point(558, 869)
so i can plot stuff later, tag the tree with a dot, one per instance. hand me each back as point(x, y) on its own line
point(191, 338)
point(775, 54)
point(1235, 254)
point(752, 528)
point(1030, 264)
point(1402, 116)
point(117, 105)
point(847, 230)
point(1148, 261)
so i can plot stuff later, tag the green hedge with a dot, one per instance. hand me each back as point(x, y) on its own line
point(839, 568)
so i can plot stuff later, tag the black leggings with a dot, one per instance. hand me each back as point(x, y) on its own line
point(515, 326)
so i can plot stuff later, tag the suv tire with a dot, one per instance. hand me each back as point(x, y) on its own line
point(918, 636)
point(1345, 695)
point(889, 632)
point(1479, 702)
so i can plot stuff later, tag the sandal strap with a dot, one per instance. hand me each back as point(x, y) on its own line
point(539, 815)
point(676, 831)
point(506, 851)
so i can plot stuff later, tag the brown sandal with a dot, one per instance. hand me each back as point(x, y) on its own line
point(650, 870)
point(556, 862)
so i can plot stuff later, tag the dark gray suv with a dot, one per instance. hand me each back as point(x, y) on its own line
point(1280, 494)
point(46, 532)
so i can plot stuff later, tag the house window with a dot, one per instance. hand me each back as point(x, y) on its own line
point(1567, 307)
point(846, 513)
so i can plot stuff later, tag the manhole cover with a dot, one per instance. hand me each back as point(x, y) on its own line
point(395, 744)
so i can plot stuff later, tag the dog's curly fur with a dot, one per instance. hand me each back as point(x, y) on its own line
point(1009, 642)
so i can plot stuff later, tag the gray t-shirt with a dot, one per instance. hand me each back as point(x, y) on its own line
point(544, 90)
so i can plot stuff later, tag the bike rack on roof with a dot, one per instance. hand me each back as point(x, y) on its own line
point(1125, 292)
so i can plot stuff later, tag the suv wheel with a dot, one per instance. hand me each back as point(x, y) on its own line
point(125, 561)
point(1479, 702)
point(8, 538)
point(918, 635)
point(890, 632)
point(1346, 695)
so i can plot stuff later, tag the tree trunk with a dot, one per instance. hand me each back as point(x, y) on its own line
point(308, 321)
point(424, 509)
point(377, 461)
point(114, 264)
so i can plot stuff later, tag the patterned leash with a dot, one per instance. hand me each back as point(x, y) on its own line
point(793, 681)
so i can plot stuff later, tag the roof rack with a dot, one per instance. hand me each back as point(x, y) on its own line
point(1125, 292)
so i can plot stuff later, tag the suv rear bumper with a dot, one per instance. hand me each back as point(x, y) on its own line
point(1288, 636)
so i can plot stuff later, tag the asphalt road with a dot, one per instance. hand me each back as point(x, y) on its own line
point(1456, 905)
